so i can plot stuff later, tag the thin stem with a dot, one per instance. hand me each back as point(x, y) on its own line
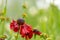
point(4, 20)
point(27, 38)
point(3, 27)
point(5, 8)
point(17, 36)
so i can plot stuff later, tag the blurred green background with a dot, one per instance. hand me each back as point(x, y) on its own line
point(46, 18)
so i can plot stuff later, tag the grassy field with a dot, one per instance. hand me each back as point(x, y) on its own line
point(45, 20)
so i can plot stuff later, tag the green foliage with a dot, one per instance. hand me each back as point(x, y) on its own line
point(51, 26)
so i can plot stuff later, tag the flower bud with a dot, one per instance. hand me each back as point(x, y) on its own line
point(25, 5)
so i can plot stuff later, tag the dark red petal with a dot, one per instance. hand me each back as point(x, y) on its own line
point(16, 29)
point(36, 32)
point(30, 35)
point(11, 25)
point(26, 30)
point(14, 26)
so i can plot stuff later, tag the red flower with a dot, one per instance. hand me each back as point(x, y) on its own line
point(26, 31)
point(36, 32)
point(14, 26)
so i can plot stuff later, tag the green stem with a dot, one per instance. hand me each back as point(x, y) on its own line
point(17, 36)
point(3, 24)
point(5, 8)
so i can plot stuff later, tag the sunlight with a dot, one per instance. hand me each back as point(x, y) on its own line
point(43, 19)
point(40, 4)
point(33, 11)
